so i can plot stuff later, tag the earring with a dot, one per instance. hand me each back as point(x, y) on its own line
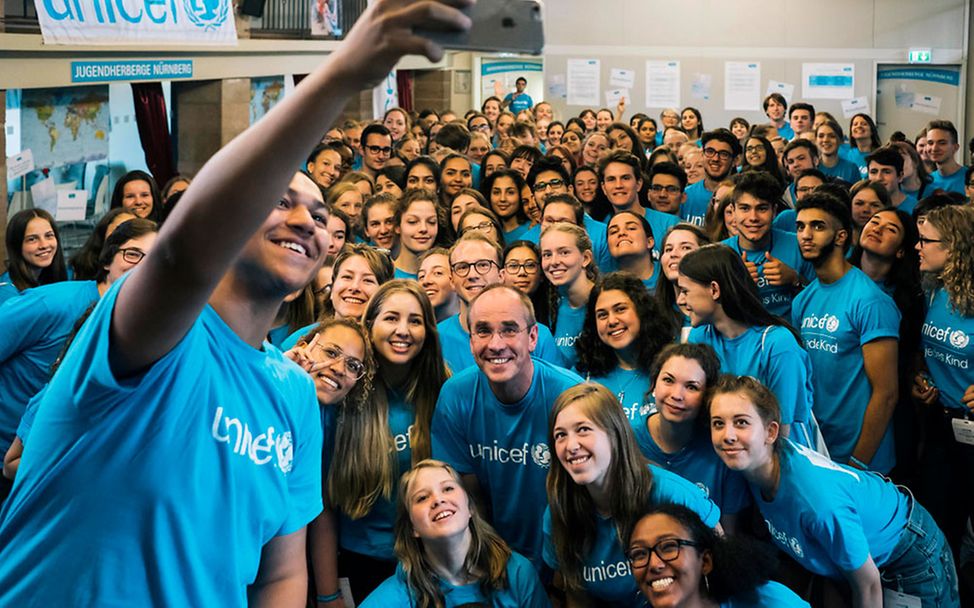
point(706, 584)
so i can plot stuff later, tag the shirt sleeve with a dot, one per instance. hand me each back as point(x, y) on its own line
point(525, 584)
point(670, 487)
point(447, 430)
point(390, 594)
point(548, 547)
point(26, 319)
point(839, 531)
point(304, 479)
point(547, 350)
point(787, 373)
point(878, 317)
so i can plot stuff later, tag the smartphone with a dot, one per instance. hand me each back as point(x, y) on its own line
point(506, 26)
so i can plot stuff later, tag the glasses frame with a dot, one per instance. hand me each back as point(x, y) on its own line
point(455, 268)
point(511, 333)
point(678, 543)
point(134, 250)
point(347, 361)
point(515, 267)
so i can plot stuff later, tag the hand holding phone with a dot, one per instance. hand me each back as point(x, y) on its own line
point(508, 26)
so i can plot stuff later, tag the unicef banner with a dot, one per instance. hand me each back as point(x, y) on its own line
point(136, 21)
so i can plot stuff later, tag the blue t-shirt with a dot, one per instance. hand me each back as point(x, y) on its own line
point(600, 245)
point(772, 355)
point(373, 534)
point(175, 478)
point(278, 335)
point(455, 344)
point(568, 326)
point(524, 590)
point(785, 220)
point(697, 462)
point(292, 340)
point(768, 595)
point(399, 273)
point(951, 183)
point(857, 158)
point(948, 349)
point(7, 288)
point(651, 282)
point(843, 169)
point(908, 204)
point(786, 132)
point(830, 533)
point(606, 575)
point(659, 223)
point(524, 232)
point(835, 321)
point(33, 330)
point(504, 444)
point(521, 102)
point(694, 209)
point(631, 388)
point(784, 247)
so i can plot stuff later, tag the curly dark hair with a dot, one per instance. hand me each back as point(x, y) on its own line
point(656, 329)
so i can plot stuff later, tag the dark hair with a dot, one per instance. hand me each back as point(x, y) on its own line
point(331, 145)
point(578, 122)
point(775, 96)
point(722, 135)
point(84, 262)
point(696, 113)
point(637, 146)
point(665, 294)
point(547, 164)
point(530, 153)
point(126, 231)
point(21, 274)
point(655, 329)
point(770, 165)
point(599, 207)
point(641, 218)
point(483, 106)
point(429, 163)
point(394, 173)
point(623, 157)
point(758, 184)
point(738, 120)
point(661, 151)
point(454, 136)
point(540, 296)
point(703, 354)
point(374, 129)
point(488, 183)
point(835, 128)
point(138, 176)
point(800, 142)
point(672, 169)
point(834, 207)
point(739, 295)
point(570, 200)
point(801, 105)
point(873, 134)
point(567, 155)
point(811, 173)
point(740, 564)
point(887, 156)
point(943, 125)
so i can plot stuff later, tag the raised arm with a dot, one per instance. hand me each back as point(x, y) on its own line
point(240, 185)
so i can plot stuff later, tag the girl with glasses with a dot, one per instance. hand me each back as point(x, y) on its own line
point(522, 271)
point(679, 562)
point(381, 440)
point(483, 221)
point(597, 490)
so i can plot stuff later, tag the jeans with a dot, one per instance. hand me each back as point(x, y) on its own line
point(922, 564)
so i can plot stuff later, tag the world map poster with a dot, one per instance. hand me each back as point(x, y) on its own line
point(65, 126)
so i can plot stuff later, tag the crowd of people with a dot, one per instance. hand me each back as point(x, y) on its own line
point(500, 358)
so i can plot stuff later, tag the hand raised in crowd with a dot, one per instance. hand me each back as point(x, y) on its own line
point(752, 268)
point(777, 272)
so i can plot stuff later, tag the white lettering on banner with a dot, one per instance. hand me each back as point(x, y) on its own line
point(604, 572)
point(261, 449)
point(143, 21)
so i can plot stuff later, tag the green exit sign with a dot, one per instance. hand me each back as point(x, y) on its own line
point(921, 56)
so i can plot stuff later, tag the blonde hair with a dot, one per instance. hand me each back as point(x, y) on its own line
point(956, 225)
point(486, 558)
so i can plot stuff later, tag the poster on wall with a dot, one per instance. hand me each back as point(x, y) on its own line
point(742, 85)
point(662, 84)
point(584, 82)
point(497, 77)
point(385, 95)
point(65, 126)
point(265, 93)
point(97, 22)
point(325, 18)
point(828, 80)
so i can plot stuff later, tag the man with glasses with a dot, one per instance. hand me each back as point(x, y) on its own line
point(667, 182)
point(720, 152)
point(475, 265)
point(547, 179)
point(376, 149)
point(491, 421)
point(621, 180)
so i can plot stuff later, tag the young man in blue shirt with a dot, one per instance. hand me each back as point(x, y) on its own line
point(491, 421)
point(851, 331)
point(518, 100)
point(942, 147)
point(174, 443)
point(774, 108)
point(621, 179)
point(801, 117)
point(720, 151)
point(667, 185)
point(885, 166)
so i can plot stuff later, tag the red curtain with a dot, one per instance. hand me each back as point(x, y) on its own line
point(404, 87)
point(150, 115)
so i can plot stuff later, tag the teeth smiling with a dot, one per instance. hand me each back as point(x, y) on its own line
point(662, 583)
point(578, 459)
point(329, 382)
point(617, 332)
point(499, 361)
point(443, 515)
point(294, 247)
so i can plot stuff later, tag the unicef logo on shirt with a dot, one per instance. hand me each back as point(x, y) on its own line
point(541, 455)
point(285, 452)
point(959, 339)
point(207, 14)
point(796, 547)
point(832, 323)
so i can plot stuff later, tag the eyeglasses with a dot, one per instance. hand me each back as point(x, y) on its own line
point(481, 227)
point(507, 332)
point(529, 267)
point(667, 550)
point(667, 189)
point(332, 354)
point(753, 149)
point(384, 150)
point(805, 189)
point(552, 183)
point(925, 241)
point(132, 255)
point(462, 269)
point(721, 154)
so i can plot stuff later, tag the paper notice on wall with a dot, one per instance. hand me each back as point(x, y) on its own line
point(44, 195)
point(742, 85)
point(623, 79)
point(20, 164)
point(856, 105)
point(71, 205)
point(612, 97)
point(903, 97)
point(556, 87)
point(927, 104)
point(786, 90)
point(828, 80)
point(662, 84)
point(700, 86)
point(583, 82)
